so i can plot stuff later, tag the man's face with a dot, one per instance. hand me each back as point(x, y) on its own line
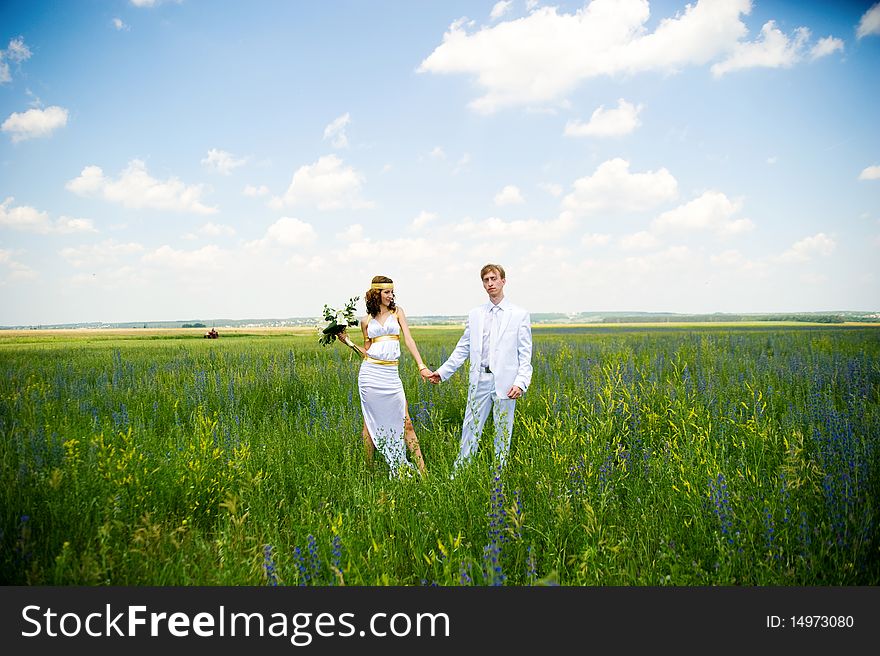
point(493, 283)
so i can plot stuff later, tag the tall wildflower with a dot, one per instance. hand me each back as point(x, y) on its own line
point(720, 498)
point(531, 566)
point(302, 570)
point(269, 565)
point(314, 561)
point(464, 573)
point(336, 552)
point(504, 524)
point(492, 564)
point(769, 529)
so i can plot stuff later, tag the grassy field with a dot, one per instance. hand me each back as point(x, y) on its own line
point(673, 455)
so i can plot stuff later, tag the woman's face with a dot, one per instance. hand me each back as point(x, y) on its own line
point(387, 297)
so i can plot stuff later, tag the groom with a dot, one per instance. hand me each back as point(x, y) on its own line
point(497, 340)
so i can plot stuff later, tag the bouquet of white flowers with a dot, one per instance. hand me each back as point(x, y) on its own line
point(337, 321)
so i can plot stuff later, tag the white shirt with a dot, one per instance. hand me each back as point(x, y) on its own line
point(491, 316)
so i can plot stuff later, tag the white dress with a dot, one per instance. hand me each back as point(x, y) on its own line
point(382, 399)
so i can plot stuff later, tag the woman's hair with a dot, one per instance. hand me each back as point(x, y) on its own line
point(373, 297)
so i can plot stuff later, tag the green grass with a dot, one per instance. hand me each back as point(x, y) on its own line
point(668, 456)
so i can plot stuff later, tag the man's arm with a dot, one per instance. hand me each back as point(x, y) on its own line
point(524, 353)
point(457, 357)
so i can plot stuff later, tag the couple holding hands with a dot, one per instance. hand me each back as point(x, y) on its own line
point(497, 341)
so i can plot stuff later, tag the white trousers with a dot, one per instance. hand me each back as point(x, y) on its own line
point(480, 400)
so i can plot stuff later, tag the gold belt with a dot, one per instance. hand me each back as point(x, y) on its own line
point(389, 363)
point(382, 338)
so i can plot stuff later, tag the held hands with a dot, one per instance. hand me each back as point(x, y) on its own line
point(427, 374)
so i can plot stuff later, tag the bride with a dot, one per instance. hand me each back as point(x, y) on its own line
point(387, 424)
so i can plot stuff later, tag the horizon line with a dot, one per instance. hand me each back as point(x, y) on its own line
point(571, 315)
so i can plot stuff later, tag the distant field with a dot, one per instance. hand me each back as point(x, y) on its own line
point(644, 454)
point(304, 330)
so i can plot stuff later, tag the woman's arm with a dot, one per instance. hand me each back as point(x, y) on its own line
point(345, 339)
point(411, 343)
point(365, 322)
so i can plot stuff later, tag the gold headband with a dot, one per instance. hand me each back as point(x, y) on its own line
point(382, 285)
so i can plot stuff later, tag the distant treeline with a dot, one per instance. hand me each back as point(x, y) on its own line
point(727, 318)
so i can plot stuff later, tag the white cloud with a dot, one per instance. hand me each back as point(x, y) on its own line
point(674, 258)
point(437, 153)
point(461, 164)
point(423, 219)
point(120, 25)
point(509, 195)
point(595, 240)
point(806, 249)
point(211, 229)
point(29, 219)
point(287, 232)
point(68, 225)
point(149, 4)
point(607, 122)
point(640, 241)
point(328, 184)
point(773, 50)
point(494, 228)
point(35, 123)
point(222, 161)
point(613, 187)
point(712, 211)
point(870, 22)
point(870, 173)
point(551, 188)
point(354, 232)
point(206, 258)
point(254, 191)
point(539, 58)
point(826, 46)
point(136, 189)
point(729, 258)
point(336, 131)
point(398, 251)
point(500, 8)
point(101, 254)
point(16, 51)
point(17, 271)
point(22, 217)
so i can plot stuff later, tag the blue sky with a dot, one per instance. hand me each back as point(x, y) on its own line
point(194, 159)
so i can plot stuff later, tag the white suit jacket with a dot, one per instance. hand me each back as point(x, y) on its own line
point(510, 359)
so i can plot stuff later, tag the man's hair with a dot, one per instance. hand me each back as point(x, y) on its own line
point(373, 297)
point(490, 267)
